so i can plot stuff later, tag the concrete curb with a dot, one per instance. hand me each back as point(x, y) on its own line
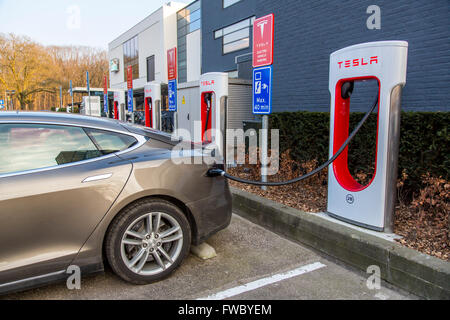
point(418, 273)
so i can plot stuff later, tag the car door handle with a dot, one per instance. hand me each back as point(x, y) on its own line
point(98, 178)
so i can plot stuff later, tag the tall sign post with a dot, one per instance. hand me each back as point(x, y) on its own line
point(60, 98)
point(172, 76)
point(89, 91)
point(263, 53)
point(105, 96)
point(71, 94)
point(130, 91)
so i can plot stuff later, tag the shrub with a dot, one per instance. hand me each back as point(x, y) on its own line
point(424, 146)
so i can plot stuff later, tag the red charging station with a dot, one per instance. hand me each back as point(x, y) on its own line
point(213, 103)
point(119, 105)
point(371, 206)
point(152, 99)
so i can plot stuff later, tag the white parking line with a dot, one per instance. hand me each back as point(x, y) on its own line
point(264, 282)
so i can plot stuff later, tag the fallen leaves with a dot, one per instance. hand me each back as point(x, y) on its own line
point(424, 222)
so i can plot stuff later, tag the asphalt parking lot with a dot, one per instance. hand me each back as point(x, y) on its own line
point(252, 264)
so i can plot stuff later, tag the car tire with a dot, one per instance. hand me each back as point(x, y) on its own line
point(143, 243)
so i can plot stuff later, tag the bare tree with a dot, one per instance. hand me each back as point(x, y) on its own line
point(36, 72)
point(24, 67)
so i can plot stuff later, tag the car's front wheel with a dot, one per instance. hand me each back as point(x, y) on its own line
point(148, 241)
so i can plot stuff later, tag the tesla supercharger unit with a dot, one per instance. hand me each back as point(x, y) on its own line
point(119, 105)
point(371, 206)
point(213, 113)
point(152, 104)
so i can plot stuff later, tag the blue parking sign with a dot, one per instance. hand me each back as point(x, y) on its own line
point(173, 96)
point(262, 90)
point(2, 104)
point(130, 100)
point(105, 98)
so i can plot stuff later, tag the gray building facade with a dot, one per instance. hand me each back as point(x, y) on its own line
point(307, 32)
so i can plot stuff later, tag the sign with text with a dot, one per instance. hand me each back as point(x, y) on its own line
point(130, 100)
point(2, 104)
point(105, 98)
point(105, 86)
point(262, 90)
point(173, 96)
point(263, 39)
point(105, 95)
point(172, 63)
point(88, 85)
point(130, 88)
point(130, 77)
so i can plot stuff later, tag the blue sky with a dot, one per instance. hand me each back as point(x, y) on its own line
point(74, 22)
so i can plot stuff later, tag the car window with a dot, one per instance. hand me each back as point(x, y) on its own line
point(109, 142)
point(27, 146)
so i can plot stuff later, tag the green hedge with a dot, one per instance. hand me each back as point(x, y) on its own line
point(424, 146)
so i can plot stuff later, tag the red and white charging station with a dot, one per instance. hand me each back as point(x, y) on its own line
point(213, 102)
point(152, 103)
point(371, 206)
point(119, 105)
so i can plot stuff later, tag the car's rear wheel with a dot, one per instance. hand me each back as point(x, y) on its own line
point(148, 241)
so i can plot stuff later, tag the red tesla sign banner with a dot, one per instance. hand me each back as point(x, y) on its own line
point(172, 63)
point(105, 88)
point(263, 38)
point(130, 77)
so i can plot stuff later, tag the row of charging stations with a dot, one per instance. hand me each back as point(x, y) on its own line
point(370, 206)
point(152, 106)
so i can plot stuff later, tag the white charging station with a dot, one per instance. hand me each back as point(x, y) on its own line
point(119, 105)
point(371, 206)
point(152, 104)
point(213, 104)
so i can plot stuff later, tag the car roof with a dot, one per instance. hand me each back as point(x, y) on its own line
point(62, 119)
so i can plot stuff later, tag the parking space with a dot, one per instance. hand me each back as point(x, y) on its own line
point(252, 263)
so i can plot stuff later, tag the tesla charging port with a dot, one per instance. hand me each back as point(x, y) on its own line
point(373, 67)
point(119, 105)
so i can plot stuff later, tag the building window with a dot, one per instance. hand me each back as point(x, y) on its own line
point(131, 57)
point(189, 20)
point(151, 69)
point(235, 37)
point(227, 3)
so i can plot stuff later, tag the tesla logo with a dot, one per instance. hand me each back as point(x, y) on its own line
point(262, 26)
point(350, 199)
point(358, 62)
point(208, 83)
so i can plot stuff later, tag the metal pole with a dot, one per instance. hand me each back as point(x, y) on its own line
point(89, 93)
point(264, 149)
point(60, 98)
point(175, 122)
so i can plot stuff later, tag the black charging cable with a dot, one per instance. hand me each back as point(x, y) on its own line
point(219, 172)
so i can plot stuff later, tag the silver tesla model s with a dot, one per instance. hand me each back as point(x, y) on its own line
point(80, 191)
